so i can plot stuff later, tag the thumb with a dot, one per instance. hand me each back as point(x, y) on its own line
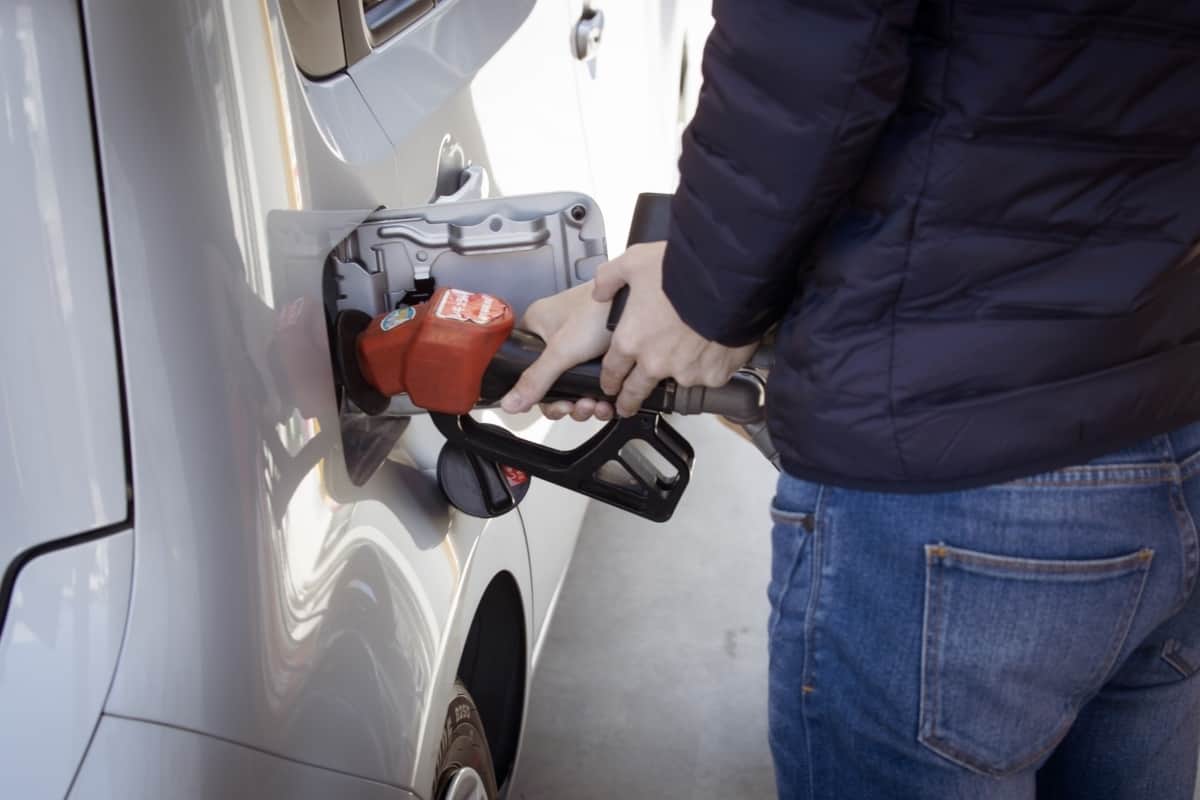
point(609, 280)
point(535, 381)
point(540, 318)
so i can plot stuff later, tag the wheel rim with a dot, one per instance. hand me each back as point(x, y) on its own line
point(465, 785)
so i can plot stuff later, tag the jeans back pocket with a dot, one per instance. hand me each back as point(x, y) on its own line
point(1013, 647)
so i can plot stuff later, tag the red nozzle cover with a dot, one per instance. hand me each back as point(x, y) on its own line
point(383, 348)
point(438, 351)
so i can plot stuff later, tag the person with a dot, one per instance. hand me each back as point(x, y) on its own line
point(975, 227)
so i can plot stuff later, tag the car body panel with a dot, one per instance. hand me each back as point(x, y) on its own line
point(411, 76)
point(282, 619)
point(286, 609)
point(298, 613)
point(346, 123)
point(136, 760)
point(57, 655)
point(61, 435)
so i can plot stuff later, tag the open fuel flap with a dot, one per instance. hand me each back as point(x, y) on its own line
point(517, 248)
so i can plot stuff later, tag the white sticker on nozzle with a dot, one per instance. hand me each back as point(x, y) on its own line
point(470, 307)
point(397, 318)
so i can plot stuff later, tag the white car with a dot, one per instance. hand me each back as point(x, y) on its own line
point(198, 600)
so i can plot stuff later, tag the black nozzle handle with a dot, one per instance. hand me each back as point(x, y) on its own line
point(742, 399)
point(651, 223)
point(643, 487)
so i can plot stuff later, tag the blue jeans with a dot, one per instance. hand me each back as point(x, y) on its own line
point(1038, 638)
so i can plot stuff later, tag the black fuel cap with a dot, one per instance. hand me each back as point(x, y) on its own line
point(477, 486)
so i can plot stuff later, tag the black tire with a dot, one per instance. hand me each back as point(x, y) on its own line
point(464, 744)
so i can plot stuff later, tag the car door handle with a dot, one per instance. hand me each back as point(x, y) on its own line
point(589, 32)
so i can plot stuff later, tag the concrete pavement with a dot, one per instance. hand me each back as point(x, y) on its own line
point(652, 683)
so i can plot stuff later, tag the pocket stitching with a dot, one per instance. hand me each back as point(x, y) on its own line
point(929, 736)
point(810, 540)
point(928, 649)
point(780, 516)
point(1041, 566)
point(787, 586)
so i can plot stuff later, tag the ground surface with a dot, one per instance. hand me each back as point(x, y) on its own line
point(652, 683)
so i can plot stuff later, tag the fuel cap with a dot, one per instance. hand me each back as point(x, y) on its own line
point(477, 486)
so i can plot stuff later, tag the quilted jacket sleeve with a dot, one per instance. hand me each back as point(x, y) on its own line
point(795, 95)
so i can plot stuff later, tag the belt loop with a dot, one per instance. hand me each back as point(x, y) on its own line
point(1168, 449)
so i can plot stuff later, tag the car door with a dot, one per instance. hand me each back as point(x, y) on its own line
point(65, 548)
point(631, 80)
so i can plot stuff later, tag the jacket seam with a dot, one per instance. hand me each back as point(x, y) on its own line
point(1117, 233)
point(1144, 29)
point(1024, 8)
point(1110, 36)
point(908, 248)
point(1000, 479)
point(1004, 396)
point(1076, 142)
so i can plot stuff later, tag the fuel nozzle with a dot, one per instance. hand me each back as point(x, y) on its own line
point(436, 352)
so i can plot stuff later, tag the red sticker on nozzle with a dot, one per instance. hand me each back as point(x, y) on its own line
point(470, 307)
point(514, 476)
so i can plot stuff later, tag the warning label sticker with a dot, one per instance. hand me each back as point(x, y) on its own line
point(515, 477)
point(470, 307)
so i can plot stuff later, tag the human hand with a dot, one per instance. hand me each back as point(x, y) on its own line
point(651, 342)
point(574, 327)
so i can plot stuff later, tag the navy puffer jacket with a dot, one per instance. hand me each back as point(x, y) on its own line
point(978, 221)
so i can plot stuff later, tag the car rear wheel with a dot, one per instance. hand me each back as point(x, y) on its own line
point(464, 766)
